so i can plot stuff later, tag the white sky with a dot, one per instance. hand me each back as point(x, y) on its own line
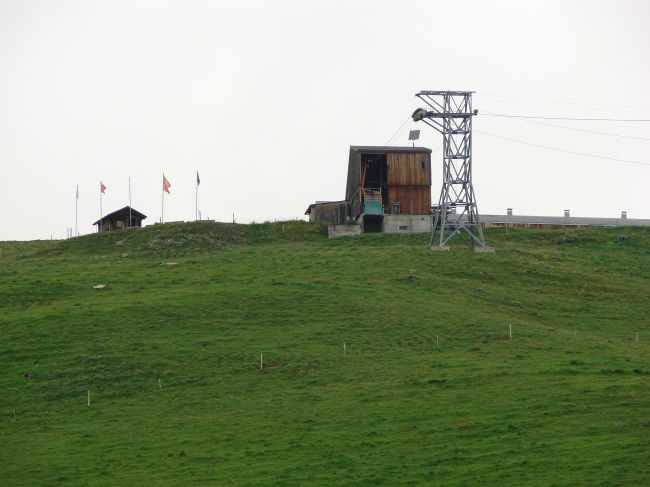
point(264, 99)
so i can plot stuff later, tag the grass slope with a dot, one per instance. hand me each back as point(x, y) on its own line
point(566, 402)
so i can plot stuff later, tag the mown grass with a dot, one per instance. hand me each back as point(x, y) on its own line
point(566, 402)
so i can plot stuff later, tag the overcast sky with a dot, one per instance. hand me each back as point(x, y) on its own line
point(264, 99)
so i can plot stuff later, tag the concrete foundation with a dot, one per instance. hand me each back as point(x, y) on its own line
point(484, 250)
point(438, 248)
point(343, 230)
point(407, 223)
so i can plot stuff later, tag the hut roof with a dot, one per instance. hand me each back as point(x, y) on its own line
point(122, 212)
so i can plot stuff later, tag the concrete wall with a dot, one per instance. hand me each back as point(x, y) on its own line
point(407, 223)
point(343, 230)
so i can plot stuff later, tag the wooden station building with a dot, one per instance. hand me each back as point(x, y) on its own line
point(119, 219)
point(381, 182)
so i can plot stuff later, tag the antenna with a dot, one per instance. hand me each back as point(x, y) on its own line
point(450, 113)
point(414, 135)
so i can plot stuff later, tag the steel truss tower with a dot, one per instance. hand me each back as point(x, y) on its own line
point(450, 113)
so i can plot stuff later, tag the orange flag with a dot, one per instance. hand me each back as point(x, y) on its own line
point(102, 188)
point(166, 185)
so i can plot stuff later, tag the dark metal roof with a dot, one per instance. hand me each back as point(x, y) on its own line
point(387, 149)
point(123, 212)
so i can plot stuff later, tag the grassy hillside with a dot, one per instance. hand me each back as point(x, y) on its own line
point(170, 352)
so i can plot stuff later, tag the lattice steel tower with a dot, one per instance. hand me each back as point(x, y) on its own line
point(450, 113)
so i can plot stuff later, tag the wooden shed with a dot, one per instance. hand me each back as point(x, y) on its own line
point(119, 219)
point(400, 177)
point(335, 212)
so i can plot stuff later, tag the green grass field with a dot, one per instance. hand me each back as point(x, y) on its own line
point(566, 402)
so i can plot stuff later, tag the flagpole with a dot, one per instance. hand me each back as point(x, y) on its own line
point(162, 204)
point(129, 225)
point(196, 198)
point(76, 209)
point(100, 209)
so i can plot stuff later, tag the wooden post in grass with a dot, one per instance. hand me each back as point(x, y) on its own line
point(437, 342)
point(159, 383)
point(261, 361)
point(510, 332)
point(345, 350)
point(89, 397)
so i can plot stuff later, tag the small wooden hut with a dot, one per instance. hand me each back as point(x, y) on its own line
point(119, 220)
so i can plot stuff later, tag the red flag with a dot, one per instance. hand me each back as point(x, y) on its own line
point(198, 179)
point(102, 188)
point(166, 185)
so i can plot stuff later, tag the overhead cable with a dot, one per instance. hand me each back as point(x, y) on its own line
point(574, 128)
point(567, 151)
point(569, 118)
point(398, 131)
point(559, 102)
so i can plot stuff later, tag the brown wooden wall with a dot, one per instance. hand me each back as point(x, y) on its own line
point(109, 224)
point(334, 212)
point(414, 200)
point(409, 169)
